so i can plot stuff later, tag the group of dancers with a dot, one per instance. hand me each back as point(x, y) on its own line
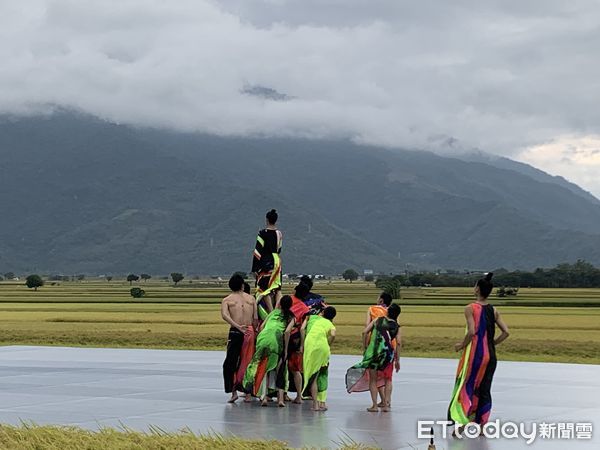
point(280, 344)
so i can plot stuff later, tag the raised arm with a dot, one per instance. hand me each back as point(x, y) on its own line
point(503, 327)
point(365, 333)
point(470, 329)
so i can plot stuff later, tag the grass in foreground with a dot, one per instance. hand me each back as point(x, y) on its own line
point(33, 437)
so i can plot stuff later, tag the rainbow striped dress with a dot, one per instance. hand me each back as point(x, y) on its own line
point(472, 399)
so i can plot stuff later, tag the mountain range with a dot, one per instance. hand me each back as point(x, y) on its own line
point(82, 195)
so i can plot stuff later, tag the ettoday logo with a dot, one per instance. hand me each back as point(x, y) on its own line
point(508, 430)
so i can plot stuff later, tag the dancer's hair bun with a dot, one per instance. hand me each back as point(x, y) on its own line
point(489, 276)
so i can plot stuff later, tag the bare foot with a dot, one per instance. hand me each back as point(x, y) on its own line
point(323, 408)
point(287, 398)
point(381, 404)
point(298, 400)
point(281, 404)
point(233, 398)
point(312, 408)
point(247, 398)
point(386, 409)
point(264, 402)
point(373, 409)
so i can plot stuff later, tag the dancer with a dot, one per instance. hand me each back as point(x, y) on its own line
point(314, 301)
point(267, 372)
point(379, 359)
point(299, 310)
point(318, 333)
point(380, 308)
point(239, 310)
point(266, 265)
point(471, 399)
point(374, 312)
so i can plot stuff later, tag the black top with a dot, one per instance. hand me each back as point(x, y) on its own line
point(268, 242)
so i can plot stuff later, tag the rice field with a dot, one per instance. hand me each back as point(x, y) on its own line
point(561, 325)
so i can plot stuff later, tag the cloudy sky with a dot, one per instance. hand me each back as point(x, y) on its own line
point(510, 77)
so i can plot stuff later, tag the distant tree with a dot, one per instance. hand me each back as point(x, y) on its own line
point(136, 292)
point(512, 291)
point(132, 277)
point(350, 275)
point(109, 278)
point(369, 278)
point(145, 276)
point(81, 277)
point(1, 278)
point(9, 275)
point(34, 282)
point(176, 277)
point(391, 285)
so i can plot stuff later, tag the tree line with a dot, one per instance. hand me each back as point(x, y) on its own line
point(581, 274)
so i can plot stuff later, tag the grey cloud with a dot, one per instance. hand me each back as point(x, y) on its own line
point(499, 75)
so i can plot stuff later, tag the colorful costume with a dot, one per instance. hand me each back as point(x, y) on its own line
point(240, 348)
point(267, 364)
point(472, 399)
point(379, 356)
point(316, 355)
point(266, 264)
point(315, 303)
point(299, 310)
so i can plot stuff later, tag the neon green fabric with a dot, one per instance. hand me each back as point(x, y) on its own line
point(316, 355)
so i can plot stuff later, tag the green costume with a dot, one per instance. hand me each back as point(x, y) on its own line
point(316, 355)
point(379, 356)
point(268, 357)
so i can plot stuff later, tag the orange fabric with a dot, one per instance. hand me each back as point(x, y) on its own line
point(247, 352)
point(261, 371)
point(377, 311)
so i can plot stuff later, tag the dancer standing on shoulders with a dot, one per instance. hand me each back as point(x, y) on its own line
point(266, 265)
point(239, 310)
point(472, 399)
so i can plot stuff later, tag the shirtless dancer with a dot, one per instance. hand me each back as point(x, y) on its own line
point(239, 310)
